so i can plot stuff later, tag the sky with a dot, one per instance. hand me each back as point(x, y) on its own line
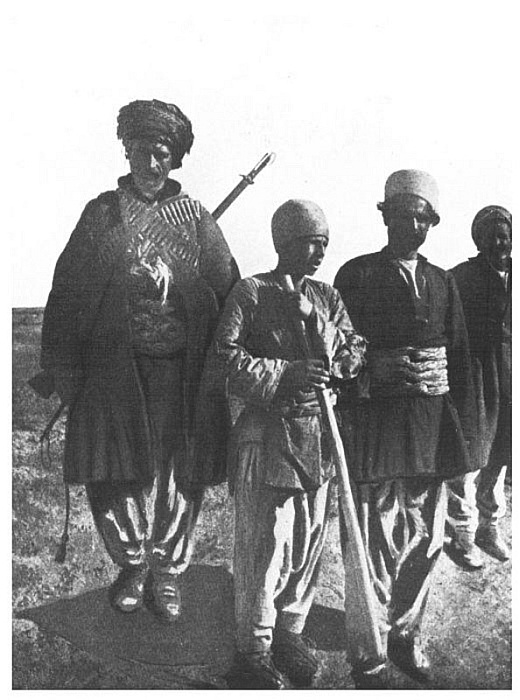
point(343, 93)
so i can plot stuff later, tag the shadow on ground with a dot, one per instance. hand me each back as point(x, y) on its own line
point(203, 635)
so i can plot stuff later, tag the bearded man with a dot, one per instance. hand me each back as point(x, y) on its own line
point(477, 500)
point(134, 301)
point(409, 425)
point(280, 465)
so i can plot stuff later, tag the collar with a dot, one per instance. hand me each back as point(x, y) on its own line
point(388, 257)
point(171, 189)
point(277, 276)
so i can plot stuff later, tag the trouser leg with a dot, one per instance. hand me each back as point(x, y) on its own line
point(491, 499)
point(143, 525)
point(402, 525)
point(122, 516)
point(278, 541)
point(174, 511)
point(422, 542)
point(153, 523)
point(309, 534)
point(175, 516)
point(462, 502)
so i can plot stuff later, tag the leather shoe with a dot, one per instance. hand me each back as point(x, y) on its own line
point(164, 597)
point(254, 671)
point(465, 549)
point(292, 656)
point(127, 592)
point(491, 541)
point(408, 655)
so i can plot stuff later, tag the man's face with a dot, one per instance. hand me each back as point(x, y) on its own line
point(303, 256)
point(150, 163)
point(495, 242)
point(408, 219)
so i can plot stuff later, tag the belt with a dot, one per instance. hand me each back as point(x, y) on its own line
point(295, 410)
point(304, 407)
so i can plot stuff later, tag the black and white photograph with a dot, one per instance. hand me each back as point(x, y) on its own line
point(261, 302)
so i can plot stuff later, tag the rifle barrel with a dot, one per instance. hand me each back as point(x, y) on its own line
point(246, 180)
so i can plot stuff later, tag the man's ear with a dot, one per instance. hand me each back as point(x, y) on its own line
point(382, 209)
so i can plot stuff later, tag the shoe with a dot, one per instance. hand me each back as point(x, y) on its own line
point(376, 678)
point(254, 671)
point(127, 592)
point(466, 550)
point(164, 597)
point(291, 656)
point(491, 541)
point(408, 655)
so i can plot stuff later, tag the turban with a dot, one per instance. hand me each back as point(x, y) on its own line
point(414, 182)
point(297, 218)
point(157, 120)
point(487, 214)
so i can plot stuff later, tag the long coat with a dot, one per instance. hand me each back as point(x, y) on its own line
point(401, 437)
point(487, 308)
point(87, 331)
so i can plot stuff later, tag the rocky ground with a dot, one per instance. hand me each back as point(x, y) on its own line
point(65, 636)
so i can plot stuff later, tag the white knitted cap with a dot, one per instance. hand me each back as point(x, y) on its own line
point(413, 182)
point(298, 218)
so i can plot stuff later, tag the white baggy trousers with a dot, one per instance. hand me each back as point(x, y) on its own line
point(279, 538)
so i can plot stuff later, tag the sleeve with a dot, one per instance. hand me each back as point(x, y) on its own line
point(459, 361)
point(349, 283)
point(74, 279)
point(253, 379)
point(218, 267)
point(333, 335)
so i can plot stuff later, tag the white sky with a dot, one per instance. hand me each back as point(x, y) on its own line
point(344, 93)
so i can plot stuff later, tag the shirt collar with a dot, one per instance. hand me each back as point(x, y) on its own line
point(388, 257)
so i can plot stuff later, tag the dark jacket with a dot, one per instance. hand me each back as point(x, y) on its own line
point(86, 330)
point(406, 437)
point(487, 308)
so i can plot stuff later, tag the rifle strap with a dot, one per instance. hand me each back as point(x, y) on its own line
point(61, 552)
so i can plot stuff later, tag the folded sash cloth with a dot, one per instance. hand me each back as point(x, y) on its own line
point(408, 372)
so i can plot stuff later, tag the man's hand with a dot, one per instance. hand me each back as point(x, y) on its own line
point(299, 305)
point(304, 375)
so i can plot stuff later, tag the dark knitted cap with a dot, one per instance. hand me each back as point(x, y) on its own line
point(156, 120)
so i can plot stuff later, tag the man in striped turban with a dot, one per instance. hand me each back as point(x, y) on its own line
point(134, 301)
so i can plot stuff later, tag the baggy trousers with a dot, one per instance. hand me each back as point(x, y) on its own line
point(477, 497)
point(152, 525)
point(402, 526)
point(279, 538)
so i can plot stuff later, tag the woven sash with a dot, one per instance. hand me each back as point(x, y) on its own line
point(408, 372)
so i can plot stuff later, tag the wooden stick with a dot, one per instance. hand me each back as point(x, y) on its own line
point(363, 637)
